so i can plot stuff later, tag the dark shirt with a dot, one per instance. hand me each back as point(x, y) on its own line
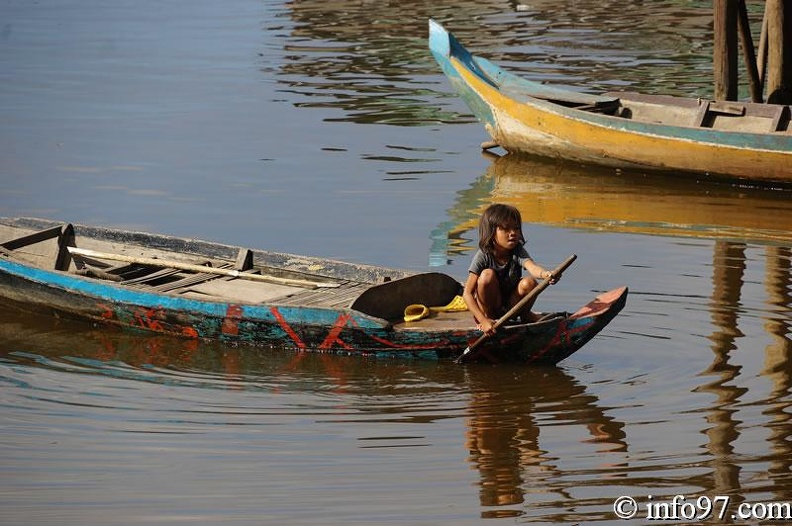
point(509, 275)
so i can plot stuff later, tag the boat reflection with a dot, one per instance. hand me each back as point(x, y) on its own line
point(505, 408)
point(517, 419)
point(570, 196)
point(112, 351)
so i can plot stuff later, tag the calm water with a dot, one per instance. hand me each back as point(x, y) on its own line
point(325, 128)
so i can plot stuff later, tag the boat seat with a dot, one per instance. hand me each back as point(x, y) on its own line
point(709, 109)
point(63, 236)
point(244, 262)
point(781, 120)
point(338, 297)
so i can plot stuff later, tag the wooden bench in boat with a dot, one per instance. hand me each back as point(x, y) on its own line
point(773, 117)
point(63, 236)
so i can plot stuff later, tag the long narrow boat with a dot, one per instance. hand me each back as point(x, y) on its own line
point(199, 289)
point(620, 129)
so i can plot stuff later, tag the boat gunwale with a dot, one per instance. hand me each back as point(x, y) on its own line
point(64, 293)
point(113, 292)
point(518, 125)
point(309, 266)
point(698, 135)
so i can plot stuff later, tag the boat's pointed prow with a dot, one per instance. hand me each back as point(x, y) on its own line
point(438, 39)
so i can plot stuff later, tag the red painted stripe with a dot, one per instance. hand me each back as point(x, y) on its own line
point(287, 328)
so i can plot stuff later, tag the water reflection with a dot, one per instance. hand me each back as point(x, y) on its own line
point(534, 436)
point(377, 69)
point(750, 234)
point(504, 435)
point(66, 346)
point(370, 68)
point(507, 411)
point(600, 199)
point(777, 367)
point(729, 268)
point(777, 353)
point(730, 383)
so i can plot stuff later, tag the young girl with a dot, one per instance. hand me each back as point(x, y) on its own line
point(495, 282)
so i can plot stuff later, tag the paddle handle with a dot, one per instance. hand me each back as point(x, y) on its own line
point(520, 304)
point(535, 292)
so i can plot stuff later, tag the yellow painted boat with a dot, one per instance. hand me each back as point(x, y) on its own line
point(718, 139)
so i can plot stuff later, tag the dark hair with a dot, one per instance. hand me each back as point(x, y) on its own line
point(494, 216)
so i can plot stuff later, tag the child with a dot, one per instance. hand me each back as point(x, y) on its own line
point(495, 283)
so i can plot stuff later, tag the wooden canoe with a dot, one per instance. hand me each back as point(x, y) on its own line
point(747, 141)
point(199, 289)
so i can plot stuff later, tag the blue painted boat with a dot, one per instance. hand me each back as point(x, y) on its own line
point(203, 290)
point(721, 139)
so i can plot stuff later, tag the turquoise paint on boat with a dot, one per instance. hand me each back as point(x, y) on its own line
point(362, 319)
point(529, 117)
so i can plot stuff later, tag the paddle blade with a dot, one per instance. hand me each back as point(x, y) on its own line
point(461, 357)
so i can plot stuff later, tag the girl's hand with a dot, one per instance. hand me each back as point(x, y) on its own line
point(547, 274)
point(487, 326)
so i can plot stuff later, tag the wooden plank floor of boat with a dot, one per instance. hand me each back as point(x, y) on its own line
point(257, 292)
point(439, 321)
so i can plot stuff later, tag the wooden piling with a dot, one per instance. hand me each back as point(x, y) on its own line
point(724, 59)
point(746, 43)
point(779, 52)
point(772, 71)
point(761, 65)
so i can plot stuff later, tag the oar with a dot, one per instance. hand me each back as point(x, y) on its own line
point(199, 268)
point(470, 353)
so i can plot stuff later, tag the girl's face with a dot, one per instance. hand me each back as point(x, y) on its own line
point(508, 236)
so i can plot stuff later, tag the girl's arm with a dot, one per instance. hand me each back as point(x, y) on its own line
point(538, 272)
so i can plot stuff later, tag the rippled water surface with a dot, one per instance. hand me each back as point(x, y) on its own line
point(325, 128)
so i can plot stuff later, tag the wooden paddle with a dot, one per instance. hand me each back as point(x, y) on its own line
point(470, 353)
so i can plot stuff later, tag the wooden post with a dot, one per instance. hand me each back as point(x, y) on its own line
point(724, 60)
point(761, 65)
point(746, 42)
point(779, 52)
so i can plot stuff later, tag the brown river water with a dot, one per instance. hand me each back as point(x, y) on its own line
point(326, 128)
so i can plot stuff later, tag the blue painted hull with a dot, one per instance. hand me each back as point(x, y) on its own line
point(336, 330)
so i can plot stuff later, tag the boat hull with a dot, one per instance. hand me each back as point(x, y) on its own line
point(523, 116)
point(296, 327)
